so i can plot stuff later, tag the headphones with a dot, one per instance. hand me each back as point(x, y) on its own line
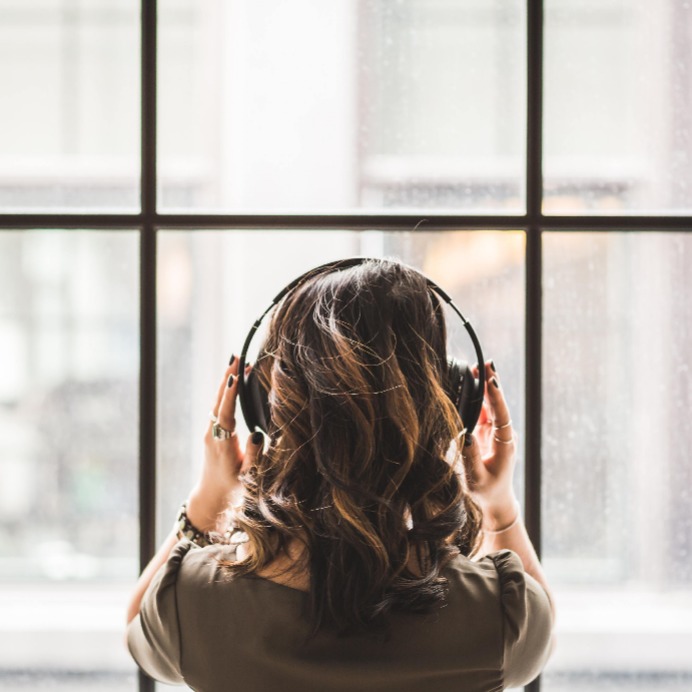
point(464, 390)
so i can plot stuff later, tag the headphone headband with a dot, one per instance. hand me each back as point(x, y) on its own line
point(347, 263)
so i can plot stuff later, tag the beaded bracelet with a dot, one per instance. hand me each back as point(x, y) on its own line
point(186, 529)
point(512, 525)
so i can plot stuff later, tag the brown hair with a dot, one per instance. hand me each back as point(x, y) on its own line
point(362, 464)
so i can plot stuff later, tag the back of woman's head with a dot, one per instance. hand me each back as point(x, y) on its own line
point(359, 465)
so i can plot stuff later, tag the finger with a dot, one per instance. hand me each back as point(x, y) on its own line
point(232, 369)
point(222, 389)
point(499, 411)
point(254, 446)
point(225, 415)
point(233, 364)
point(227, 407)
point(503, 436)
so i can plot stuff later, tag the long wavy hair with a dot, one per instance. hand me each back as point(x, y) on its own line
point(363, 464)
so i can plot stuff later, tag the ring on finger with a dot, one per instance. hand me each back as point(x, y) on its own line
point(504, 442)
point(502, 427)
point(219, 433)
point(213, 418)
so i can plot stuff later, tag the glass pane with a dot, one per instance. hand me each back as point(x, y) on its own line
point(69, 342)
point(416, 104)
point(211, 290)
point(69, 76)
point(617, 478)
point(618, 106)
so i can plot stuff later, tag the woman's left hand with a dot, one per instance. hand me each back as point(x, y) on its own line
point(224, 460)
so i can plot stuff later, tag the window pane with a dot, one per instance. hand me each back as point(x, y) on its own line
point(213, 285)
point(618, 106)
point(69, 346)
point(341, 105)
point(69, 76)
point(617, 478)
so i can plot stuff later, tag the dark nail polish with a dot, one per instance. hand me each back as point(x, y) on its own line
point(231, 379)
point(257, 437)
point(495, 382)
point(492, 366)
point(230, 362)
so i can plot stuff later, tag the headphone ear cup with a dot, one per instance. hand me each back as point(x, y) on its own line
point(257, 413)
point(464, 391)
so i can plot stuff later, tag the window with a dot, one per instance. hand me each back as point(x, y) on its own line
point(533, 158)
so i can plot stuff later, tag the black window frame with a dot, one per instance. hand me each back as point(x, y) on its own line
point(533, 222)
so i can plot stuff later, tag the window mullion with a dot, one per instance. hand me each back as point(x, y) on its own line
point(533, 264)
point(147, 391)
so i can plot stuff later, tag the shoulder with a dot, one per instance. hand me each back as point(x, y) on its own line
point(201, 568)
point(154, 636)
point(527, 617)
point(487, 589)
point(504, 577)
point(524, 601)
point(487, 575)
point(189, 566)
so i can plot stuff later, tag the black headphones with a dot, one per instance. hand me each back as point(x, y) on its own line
point(465, 391)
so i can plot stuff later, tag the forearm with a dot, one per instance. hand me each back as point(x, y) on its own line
point(206, 511)
point(148, 574)
point(516, 539)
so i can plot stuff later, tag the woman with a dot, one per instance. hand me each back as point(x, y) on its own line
point(381, 552)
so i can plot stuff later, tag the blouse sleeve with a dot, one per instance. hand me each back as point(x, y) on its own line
point(153, 636)
point(528, 620)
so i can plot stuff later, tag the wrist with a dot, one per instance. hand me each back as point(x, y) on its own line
point(501, 515)
point(207, 511)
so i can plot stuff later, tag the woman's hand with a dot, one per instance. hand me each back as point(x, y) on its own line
point(489, 461)
point(224, 460)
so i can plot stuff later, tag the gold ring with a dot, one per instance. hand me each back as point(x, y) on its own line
point(505, 442)
point(502, 427)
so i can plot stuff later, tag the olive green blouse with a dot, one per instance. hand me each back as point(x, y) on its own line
point(199, 628)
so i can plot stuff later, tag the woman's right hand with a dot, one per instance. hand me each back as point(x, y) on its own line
point(489, 460)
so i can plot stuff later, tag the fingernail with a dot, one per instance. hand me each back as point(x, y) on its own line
point(495, 382)
point(230, 362)
point(231, 378)
point(257, 437)
point(492, 366)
